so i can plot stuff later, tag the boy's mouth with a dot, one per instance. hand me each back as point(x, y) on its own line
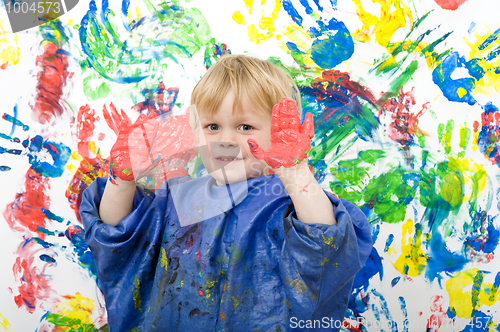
point(227, 158)
point(224, 160)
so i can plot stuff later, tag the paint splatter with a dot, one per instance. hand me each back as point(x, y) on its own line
point(459, 90)
point(4, 323)
point(137, 294)
point(47, 158)
point(403, 128)
point(450, 4)
point(170, 32)
point(464, 303)
point(484, 62)
point(15, 122)
point(9, 48)
point(337, 102)
point(214, 51)
point(89, 167)
point(161, 100)
point(25, 213)
point(487, 137)
point(439, 317)
point(76, 312)
point(35, 287)
point(413, 260)
point(51, 80)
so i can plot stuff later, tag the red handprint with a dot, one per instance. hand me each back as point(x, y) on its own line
point(131, 152)
point(158, 146)
point(290, 140)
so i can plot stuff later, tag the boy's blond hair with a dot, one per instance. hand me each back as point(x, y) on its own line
point(261, 82)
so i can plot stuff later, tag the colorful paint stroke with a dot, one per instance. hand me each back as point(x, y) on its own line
point(4, 323)
point(9, 48)
point(405, 97)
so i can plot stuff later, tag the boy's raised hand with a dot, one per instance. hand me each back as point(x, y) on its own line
point(290, 141)
point(158, 146)
point(131, 155)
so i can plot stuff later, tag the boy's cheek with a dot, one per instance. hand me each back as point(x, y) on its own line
point(200, 137)
point(267, 144)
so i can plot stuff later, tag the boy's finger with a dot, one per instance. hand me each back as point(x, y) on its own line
point(257, 151)
point(289, 116)
point(275, 118)
point(308, 126)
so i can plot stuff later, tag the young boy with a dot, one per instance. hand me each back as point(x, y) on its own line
point(275, 254)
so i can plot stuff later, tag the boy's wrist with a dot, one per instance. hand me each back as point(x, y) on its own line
point(121, 183)
point(295, 178)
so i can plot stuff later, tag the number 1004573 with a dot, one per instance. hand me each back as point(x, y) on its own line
point(42, 7)
point(26, 14)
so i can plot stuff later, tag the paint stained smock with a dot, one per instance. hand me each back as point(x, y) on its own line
point(253, 267)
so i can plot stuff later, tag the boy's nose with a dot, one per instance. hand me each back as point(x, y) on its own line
point(227, 144)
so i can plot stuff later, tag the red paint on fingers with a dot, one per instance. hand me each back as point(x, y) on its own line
point(139, 146)
point(290, 140)
point(132, 137)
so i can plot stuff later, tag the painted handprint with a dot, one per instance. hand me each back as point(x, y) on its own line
point(394, 15)
point(483, 70)
point(290, 141)
point(133, 145)
point(395, 19)
point(265, 27)
point(487, 132)
point(46, 157)
point(162, 144)
point(325, 44)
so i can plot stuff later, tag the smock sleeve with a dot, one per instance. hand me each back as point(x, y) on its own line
point(125, 254)
point(319, 262)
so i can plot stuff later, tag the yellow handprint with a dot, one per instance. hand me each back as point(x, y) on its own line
point(394, 14)
point(413, 260)
point(265, 25)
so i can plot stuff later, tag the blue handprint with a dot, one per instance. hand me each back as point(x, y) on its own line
point(331, 44)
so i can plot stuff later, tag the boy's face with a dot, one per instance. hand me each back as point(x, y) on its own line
point(226, 136)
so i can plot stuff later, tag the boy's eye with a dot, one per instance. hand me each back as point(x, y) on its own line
point(213, 127)
point(246, 127)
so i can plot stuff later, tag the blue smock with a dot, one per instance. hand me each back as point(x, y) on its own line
point(252, 266)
